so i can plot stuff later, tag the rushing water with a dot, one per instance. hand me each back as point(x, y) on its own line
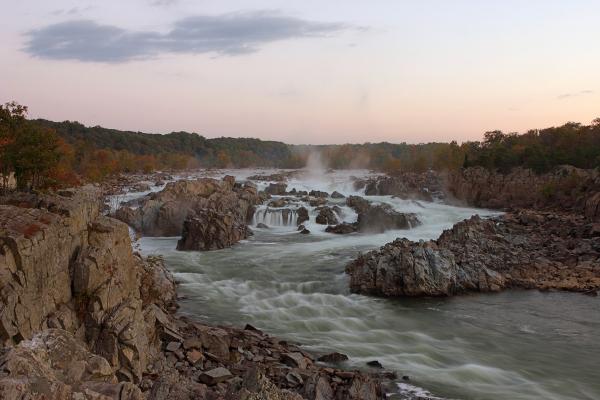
point(512, 345)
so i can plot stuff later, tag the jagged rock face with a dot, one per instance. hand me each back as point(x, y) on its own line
point(566, 188)
point(326, 216)
point(409, 185)
point(163, 213)
point(211, 230)
point(63, 265)
point(592, 207)
point(55, 365)
point(380, 217)
point(485, 255)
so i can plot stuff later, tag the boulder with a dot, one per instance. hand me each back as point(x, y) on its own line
point(337, 195)
point(211, 230)
point(326, 216)
point(318, 194)
point(342, 229)
point(277, 189)
point(302, 214)
point(215, 376)
point(379, 217)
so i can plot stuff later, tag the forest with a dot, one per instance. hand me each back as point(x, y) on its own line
point(42, 153)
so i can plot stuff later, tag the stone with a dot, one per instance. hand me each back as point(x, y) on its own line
point(260, 225)
point(374, 364)
point(379, 217)
point(333, 358)
point(326, 216)
point(173, 346)
point(342, 229)
point(215, 376)
point(276, 189)
point(337, 195)
point(302, 215)
point(294, 360)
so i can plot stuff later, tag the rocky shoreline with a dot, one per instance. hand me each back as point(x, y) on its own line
point(84, 317)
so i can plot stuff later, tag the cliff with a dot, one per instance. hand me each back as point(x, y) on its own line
point(83, 317)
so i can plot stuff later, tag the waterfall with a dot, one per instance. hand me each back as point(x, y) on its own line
point(275, 216)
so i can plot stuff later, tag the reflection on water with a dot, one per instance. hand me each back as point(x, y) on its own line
point(512, 345)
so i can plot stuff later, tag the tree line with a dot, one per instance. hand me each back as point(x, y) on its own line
point(41, 153)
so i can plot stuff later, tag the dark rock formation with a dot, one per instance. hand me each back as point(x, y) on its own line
point(277, 189)
point(326, 216)
point(342, 229)
point(211, 230)
point(380, 217)
point(527, 249)
point(337, 195)
point(564, 189)
point(302, 213)
point(163, 213)
point(318, 193)
point(408, 185)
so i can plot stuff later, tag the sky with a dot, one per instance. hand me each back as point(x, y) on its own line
point(306, 71)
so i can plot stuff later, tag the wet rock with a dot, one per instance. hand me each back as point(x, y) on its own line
point(374, 364)
point(337, 195)
point(211, 230)
point(277, 189)
point(333, 358)
point(305, 231)
point(302, 215)
point(484, 255)
point(318, 194)
point(342, 229)
point(164, 213)
point(140, 187)
point(326, 216)
point(215, 376)
point(260, 225)
point(379, 217)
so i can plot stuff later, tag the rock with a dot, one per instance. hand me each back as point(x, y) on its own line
point(211, 230)
point(380, 217)
point(194, 356)
point(326, 216)
point(318, 194)
point(302, 215)
point(55, 365)
point(173, 346)
point(375, 364)
point(164, 213)
point(276, 189)
point(343, 228)
point(260, 225)
point(294, 360)
point(408, 185)
point(337, 195)
point(215, 376)
point(305, 231)
point(140, 187)
point(565, 188)
point(333, 358)
point(484, 256)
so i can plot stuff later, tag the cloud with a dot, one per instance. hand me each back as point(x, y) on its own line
point(575, 94)
point(227, 34)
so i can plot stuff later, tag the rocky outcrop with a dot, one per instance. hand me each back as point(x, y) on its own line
point(327, 216)
point(566, 188)
point(277, 189)
point(83, 317)
point(55, 365)
point(526, 249)
point(63, 265)
point(379, 217)
point(408, 185)
point(211, 230)
point(163, 213)
point(302, 214)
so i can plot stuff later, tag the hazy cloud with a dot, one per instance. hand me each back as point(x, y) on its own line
point(163, 3)
point(231, 34)
point(575, 94)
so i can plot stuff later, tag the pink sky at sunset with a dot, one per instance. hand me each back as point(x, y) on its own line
point(305, 71)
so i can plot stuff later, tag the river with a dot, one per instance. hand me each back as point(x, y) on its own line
point(511, 345)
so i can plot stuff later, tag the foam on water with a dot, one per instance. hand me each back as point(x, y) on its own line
point(477, 346)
